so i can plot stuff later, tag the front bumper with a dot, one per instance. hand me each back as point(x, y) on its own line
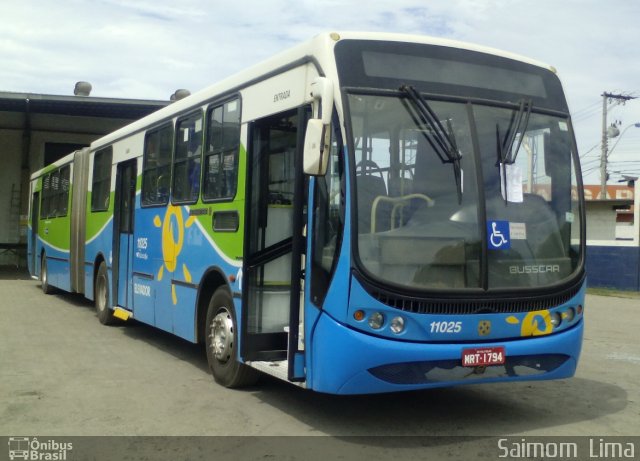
point(345, 361)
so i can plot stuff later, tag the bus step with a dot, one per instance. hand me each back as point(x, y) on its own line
point(278, 369)
point(122, 314)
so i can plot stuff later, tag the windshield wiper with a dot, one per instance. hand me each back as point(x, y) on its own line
point(441, 140)
point(518, 124)
point(506, 154)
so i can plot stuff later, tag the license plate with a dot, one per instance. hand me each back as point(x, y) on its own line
point(483, 356)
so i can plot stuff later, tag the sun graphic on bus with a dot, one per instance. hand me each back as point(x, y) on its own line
point(173, 227)
point(536, 323)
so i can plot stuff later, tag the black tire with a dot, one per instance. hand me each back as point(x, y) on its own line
point(44, 276)
point(101, 296)
point(221, 338)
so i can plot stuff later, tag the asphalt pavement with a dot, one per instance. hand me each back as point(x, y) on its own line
point(63, 374)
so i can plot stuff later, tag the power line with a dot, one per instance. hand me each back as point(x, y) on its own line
point(587, 108)
point(585, 153)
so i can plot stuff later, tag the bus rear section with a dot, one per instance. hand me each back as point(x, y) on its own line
point(55, 235)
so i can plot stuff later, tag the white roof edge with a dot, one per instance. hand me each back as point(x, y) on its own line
point(300, 51)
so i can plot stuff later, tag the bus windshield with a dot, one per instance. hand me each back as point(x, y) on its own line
point(499, 212)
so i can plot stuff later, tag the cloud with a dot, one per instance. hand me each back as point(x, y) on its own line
point(148, 48)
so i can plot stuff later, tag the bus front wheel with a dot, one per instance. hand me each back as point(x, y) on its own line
point(101, 295)
point(221, 339)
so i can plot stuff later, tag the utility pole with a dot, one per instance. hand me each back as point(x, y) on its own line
point(607, 97)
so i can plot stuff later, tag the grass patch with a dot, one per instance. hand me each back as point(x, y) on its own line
point(613, 292)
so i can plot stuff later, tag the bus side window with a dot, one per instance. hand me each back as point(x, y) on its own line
point(63, 191)
point(156, 175)
point(186, 166)
point(101, 183)
point(46, 197)
point(55, 195)
point(221, 156)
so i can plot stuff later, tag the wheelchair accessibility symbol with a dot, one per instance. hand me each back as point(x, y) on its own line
point(498, 235)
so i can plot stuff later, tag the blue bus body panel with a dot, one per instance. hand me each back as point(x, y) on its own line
point(144, 304)
point(58, 266)
point(343, 360)
point(171, 253)
point(348, 357)
point(167, 257)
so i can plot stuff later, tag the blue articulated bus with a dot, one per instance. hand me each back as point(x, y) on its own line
point(363, 213)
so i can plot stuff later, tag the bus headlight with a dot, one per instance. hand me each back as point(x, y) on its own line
point(556, 319)
point(376, 320)
point(570, 314)
point(397, 325)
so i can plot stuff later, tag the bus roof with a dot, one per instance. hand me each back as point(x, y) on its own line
point(317, 49)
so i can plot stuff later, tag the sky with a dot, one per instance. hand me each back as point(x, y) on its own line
point(149, 48)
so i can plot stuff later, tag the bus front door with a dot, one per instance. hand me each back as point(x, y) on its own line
point(123, 244)
point(272, 292)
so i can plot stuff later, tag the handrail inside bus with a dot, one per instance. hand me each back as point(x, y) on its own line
point(398, 202)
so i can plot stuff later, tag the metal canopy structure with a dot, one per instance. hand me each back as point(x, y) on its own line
point(78, 106)
point(38, 128)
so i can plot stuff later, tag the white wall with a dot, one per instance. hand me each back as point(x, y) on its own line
point(601, 221)
point(602, 229)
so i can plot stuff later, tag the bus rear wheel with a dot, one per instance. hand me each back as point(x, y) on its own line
point(44, 276)
point(101, 296)
point(221, 339)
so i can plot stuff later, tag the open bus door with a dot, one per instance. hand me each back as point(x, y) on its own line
point(123, 245)
point(276, 200)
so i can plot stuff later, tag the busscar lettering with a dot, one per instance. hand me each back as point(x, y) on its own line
point(541, 269)
point(282, 96)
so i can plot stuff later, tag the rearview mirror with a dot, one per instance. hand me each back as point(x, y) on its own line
point(322, 93)
point(316, 148)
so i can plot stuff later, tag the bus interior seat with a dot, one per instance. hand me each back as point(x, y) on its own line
point(434, 179)
point(370, 186)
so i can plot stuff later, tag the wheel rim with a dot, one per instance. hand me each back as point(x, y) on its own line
point(44, 273)
point(221, 336)
point(101, 294)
